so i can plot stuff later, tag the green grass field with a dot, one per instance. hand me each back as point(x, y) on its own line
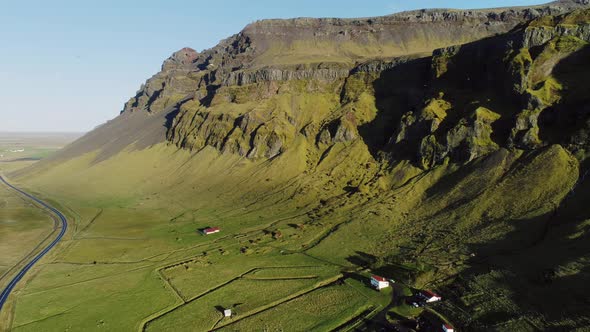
point(321, 310)
point(22, 227)
point(134, 249)
point(244, 296)
point(134, 255)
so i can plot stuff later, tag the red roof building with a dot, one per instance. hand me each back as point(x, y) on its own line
point(430, 296)
point(448, 328)
point(210, 230)
point(379, 282)
point(378, 278)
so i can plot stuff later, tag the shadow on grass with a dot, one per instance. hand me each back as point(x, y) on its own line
point(536, 274)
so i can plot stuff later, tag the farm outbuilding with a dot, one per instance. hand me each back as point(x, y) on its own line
point(210, 230)
point(430, 296)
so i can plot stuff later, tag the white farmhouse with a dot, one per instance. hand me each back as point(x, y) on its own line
point(379, 282)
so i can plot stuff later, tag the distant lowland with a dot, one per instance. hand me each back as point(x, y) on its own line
point(426, 171)
point(19, 146)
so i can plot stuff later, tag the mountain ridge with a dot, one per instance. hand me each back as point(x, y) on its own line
point(460, 169)
point(184, 81)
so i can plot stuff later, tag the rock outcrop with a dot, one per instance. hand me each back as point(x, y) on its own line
point(320, 72)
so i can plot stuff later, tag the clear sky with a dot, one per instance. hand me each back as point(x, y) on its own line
point(71, 65)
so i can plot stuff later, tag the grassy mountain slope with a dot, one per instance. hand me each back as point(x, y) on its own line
point(463, 171)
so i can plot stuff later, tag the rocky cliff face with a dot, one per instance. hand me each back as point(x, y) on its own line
point(245, 97)
point(461, 103)
point(492, 93)
point(275, 49)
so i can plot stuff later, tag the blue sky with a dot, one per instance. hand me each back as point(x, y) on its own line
point(71, 65)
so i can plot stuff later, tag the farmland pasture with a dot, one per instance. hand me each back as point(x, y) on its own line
point(125, 245)
point(244, 296)
point(64, 306)
point(323, 309)
point(203, 272)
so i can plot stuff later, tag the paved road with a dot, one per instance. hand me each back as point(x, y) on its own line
point(64, 226)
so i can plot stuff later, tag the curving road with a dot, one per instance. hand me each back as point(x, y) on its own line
point(6, 291)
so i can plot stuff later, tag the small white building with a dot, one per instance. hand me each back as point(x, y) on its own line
point(448, 328)
point(227, 312)
point(379, 282)
point(430, 296)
